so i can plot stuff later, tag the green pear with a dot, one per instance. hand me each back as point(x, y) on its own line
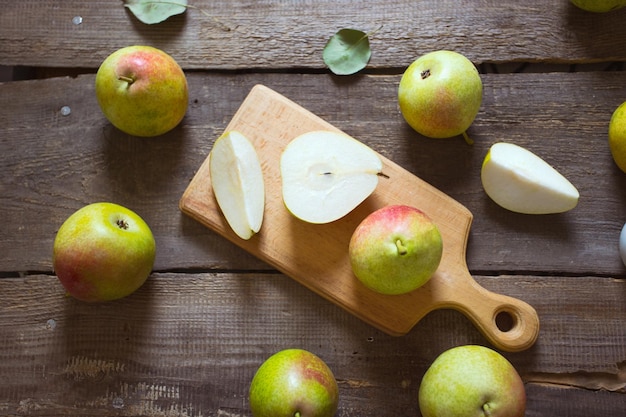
point(395, 250)
point(103, 252)
point(599, 6)
point(440, 94)
point(617, 136)
point(294, 383)
point(142, 90)
point(468, 381)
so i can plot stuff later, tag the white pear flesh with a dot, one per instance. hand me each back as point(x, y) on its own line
point(520, 181)
point(237, 181)
point(325, 175)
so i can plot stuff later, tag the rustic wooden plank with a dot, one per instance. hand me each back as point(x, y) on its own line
point(54, 164)
point(292, 34)
point(188, 345)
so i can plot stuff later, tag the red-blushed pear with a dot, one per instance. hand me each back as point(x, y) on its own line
point(294, 383)
point(395, 250)
point(142, 90)
point(472, 381)
point(599, 6)
point(103, 252)
point(440, 94)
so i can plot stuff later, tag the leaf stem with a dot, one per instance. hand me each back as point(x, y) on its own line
point(189, 6)
point(365, 36)
point(374, 31)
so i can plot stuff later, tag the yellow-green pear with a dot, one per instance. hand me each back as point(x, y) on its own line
point(599, 6)
point(142, 90)
point(440, 94)
point(295, 383)
point(617, 136)
point(472, 380)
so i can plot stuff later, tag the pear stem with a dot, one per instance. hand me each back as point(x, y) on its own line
point(129, 80)
point(402, 250)
point(468, 140)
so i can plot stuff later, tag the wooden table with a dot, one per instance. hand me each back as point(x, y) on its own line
point(189, 341)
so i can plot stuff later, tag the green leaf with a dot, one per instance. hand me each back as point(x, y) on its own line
point(347, 52)
point(155, 11)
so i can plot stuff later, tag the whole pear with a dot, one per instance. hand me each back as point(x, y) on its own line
point(142, 90)
point(440, 94)
point(617, 136)
point(469, 381)
point(395, 249)
point(102, 252)
point(599, 6)
point(294, 383)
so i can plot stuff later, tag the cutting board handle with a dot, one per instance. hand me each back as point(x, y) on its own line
point(508, 323)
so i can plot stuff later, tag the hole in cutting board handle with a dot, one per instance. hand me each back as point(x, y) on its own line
point(506, 321)
point(515, 327)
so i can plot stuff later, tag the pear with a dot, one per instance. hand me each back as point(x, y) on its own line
point(617, 136)
point(325, 175)
point(599, 6)
point(520, 181)
point(472, 380)
point(103, 252)
point(440, 94)
point(237, 181)
point(296, 383)
point(142, 90)
point(395, 249)
point(622, 244)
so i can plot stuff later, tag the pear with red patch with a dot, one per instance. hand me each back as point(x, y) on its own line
point(395, 249)
point(103, 252)
point(142, 90)
point(294, 383)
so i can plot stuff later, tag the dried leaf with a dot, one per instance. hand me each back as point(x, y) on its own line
point(155, 11)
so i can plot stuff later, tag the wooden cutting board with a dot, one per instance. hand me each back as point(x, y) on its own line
point(317, 255)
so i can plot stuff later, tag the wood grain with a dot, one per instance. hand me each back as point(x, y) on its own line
point(188, 345)
point(188, 342)
point(54, 164)
point(284, 35)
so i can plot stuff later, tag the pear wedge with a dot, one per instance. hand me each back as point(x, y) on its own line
point(237, 181)
point(325, 175)
point(520, 181)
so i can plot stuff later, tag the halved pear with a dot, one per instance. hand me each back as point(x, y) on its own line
point(520, 181)
point(325, 175)
point(237, 181)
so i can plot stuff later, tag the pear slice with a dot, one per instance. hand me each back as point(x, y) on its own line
point(325, 175)
point(237, 181)
point(520, 181)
